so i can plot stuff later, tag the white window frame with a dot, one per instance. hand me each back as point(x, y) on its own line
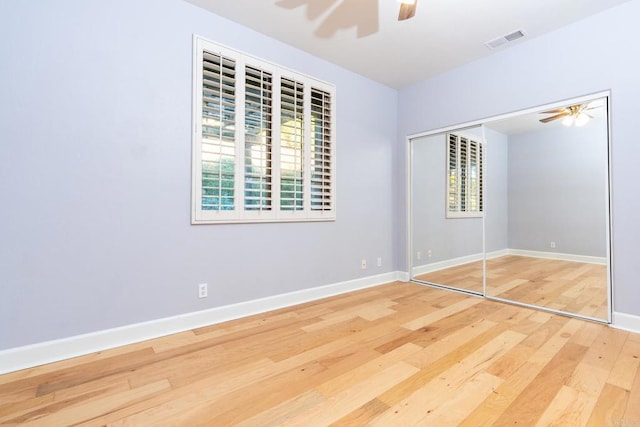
point(325, 210)
point(463, 188)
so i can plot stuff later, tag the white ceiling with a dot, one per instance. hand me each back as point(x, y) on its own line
point(365, 36)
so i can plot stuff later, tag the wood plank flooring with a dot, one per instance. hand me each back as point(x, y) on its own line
point(400, 354)
point(573, 287)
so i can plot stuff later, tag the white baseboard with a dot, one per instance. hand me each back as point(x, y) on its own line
point(497, 254)
point(627, 322)
point(559, 256)
point(448, 263)
point(454, 262)
point(29, 356)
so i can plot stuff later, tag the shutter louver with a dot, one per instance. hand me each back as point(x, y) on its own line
point(464, 174)
point(291, 145)
point(258, 140)
point(321, 151)
point(218, 132)
point(465, 157)
point(453, 199)
point(473, 176)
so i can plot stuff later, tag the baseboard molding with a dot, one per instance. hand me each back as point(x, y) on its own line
point(454, 262)
point(448, 263)
point(559, 256)
point(627, 322)
point(29, 356)
point(497, 254)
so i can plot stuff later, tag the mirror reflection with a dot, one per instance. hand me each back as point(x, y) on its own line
point(447, 210)
point(555, 202)
point(522, 215)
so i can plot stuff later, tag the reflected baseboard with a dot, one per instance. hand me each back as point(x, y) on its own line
point(559, 256)
point(448, 263)
point(455, 262)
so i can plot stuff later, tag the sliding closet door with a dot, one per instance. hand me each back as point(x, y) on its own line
point(447, 210)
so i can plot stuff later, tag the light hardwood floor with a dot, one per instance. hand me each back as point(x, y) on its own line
point(395, 355)
point(574, 287)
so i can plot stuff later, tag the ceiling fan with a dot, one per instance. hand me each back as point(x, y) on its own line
point(572, 114)
point(407, 9)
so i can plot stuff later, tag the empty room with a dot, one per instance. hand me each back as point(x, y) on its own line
point(319, 212)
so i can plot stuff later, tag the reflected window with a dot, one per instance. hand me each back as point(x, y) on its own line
point(465, 161)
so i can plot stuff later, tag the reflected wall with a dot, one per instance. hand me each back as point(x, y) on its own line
point(446, 251)
point(543, 239)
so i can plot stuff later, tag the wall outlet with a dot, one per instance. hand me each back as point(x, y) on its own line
point(419, 255)
point(363, 264)
point(429, 253)
point(379, 261)
point(552, 245)
point(203, 292)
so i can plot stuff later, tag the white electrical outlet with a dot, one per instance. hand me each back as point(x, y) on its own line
point(552, 245)
point(419, 255)
point(429, 253)
point(379, 262)
point(364, 264)
point(202, 290)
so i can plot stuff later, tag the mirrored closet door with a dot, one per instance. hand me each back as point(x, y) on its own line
point(446, 214)
point(518, 210)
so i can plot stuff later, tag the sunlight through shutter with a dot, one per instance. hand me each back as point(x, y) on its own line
point(218, 132)
point(321, 151)
point(258, 139)
point(291, 148)
point(465, 162)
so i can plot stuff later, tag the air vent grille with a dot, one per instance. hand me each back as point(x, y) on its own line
point(507, 38)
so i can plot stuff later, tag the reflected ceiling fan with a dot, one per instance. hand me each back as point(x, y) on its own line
point(407, 9)
point(572, 114)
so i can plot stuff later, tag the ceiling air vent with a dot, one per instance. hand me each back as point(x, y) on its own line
point(507, 38)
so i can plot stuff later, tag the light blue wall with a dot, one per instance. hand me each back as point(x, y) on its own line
point(587, 57)
point(95, 173)
point(496, 215)
point(446, 238)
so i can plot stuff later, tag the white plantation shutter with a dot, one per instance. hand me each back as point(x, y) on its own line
point(465, 162)
point(258, 139)
point(321, 151)
point(291, 145)
point(218, 132)
point(264, 140)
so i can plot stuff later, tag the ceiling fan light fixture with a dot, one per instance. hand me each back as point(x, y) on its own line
point(568, 121)
point(581, 119)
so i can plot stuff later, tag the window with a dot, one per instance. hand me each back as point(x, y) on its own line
point(465, 162)
point(263, 142)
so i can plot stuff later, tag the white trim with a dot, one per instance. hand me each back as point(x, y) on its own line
point(28, 356)
point(479, 122)
point(559, 256)
point(403, 276)
point(627, 322)
point(497, 254)
point(454, 262)
point(239, 213)
point(448, 263)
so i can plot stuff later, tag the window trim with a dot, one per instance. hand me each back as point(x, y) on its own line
point(452, 214)
point(240, 214)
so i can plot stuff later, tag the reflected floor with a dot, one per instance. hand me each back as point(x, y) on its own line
point(466, 276)
point(573, 287)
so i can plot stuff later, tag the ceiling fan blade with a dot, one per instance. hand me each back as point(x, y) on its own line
point(556, 117)
point(555, 111)
point(407, 10)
